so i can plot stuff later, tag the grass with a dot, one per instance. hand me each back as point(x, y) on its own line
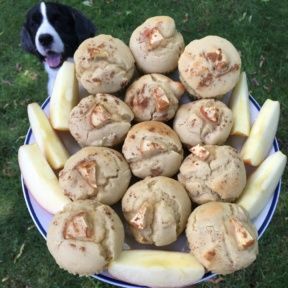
point(257, 28)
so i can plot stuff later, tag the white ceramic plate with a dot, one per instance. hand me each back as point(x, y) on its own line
point(42, 218)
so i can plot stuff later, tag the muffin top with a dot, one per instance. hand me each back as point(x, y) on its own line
point(103, 64)
point(152, 148)
point(209, 67)
point(154, 97)
point(95, 173)
point(156, 209)
point(205, 121)
point(213, 173)
point(157, 45)
point(222, 237)
point(85, 237)
point(100, 120)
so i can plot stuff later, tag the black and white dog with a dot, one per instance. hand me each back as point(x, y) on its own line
point(53, 32)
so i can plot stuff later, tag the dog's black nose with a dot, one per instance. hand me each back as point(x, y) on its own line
point(45, 39)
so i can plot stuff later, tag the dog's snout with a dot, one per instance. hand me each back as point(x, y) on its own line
point(45, 39)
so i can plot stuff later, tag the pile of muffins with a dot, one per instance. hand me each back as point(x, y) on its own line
point(174, 155)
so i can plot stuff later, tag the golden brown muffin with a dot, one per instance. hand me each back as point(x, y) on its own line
point(100, 120)
point(85, 237)
point(152, 149)
point(205, 121)
point(209, 67)
point(156, 209)
point(154, 97)
point(103, 64)
point(157, 45)
point(213, 173)
point(97, 173)
point(222, 237)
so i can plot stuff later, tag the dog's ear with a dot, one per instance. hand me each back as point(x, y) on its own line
point(26, 40)
point(84, 28)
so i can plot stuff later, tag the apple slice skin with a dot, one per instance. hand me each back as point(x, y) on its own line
point(40, 179)
point(262, 183)
point(239, 104)
point(262, 134)
point(64, 96)
point(47, 139)
point(156, 268)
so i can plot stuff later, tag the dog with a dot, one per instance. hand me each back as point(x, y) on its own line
point(53, 32)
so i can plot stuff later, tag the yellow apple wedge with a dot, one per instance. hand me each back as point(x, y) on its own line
point(262, 183)
point(40, 179)
point(47, 139)
point(156, 268)
point(239, 104)
point(263, 131)
point(64, 96)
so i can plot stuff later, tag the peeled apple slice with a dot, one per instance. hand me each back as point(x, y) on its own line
point(64, 96)
point(47, 139)
point(260, 140)
point(40, 179)
point(262, 183)
point(156, 268)
point(239, 104)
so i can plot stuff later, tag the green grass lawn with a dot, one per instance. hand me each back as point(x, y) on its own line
point(257, 28)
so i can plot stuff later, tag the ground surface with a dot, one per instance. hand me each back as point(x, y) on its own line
point(257, 28)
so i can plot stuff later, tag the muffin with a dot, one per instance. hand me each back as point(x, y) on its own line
point(156, 210)
point(96, 173)
point(157, 45)
point(154, 97)
point(213, 173)
point(103, 64)
point(100, 120)
point(205, 121)
point(85, 237)
point(152, 149)
point(222, 237)
point(209, 67)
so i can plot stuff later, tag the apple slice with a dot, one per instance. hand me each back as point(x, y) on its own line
point(260, 140)
point(262, 184)
point(239, 104)
point(64, 96)
point(47, 139)
point(40, 179)
point(156, 268)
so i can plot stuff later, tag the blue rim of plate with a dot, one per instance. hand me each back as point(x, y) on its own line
point(119, 283)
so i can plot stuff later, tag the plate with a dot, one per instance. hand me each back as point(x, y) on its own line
point(42, 218)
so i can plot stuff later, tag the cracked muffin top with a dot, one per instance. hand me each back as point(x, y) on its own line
point(100, 120)
point(152, 148)
point(96, 173)
point(209, 67)
point(157, 45)
point(103, 64)
point(85, 237)
point(213, 173)
point(156, 210)
point(154, 97)
point(205, 121)
point(222, 237)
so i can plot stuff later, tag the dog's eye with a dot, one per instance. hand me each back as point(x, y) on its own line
point(55, 17)
point(36, 19)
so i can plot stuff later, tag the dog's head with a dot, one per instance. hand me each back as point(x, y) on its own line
point(53, 32)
